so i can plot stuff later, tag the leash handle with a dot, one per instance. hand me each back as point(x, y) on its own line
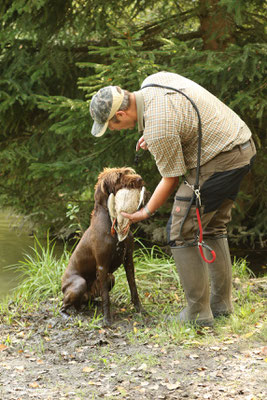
point(201, 244)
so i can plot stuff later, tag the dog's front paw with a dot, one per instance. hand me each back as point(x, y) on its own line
point(139, 308)
point(64, 314)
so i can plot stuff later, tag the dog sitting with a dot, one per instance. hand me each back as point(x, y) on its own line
point(89, 273)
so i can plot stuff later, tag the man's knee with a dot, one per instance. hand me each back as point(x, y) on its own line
point(217, 225)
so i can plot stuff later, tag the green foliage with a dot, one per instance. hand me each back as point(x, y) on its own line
point(236, 76)
point(56, 55)
point(128, 63)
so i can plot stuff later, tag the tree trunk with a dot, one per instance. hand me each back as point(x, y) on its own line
point(217, 26)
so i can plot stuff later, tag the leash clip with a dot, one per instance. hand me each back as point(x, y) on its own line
point(196, 191)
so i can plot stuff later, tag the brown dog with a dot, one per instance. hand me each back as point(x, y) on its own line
point(99, 253)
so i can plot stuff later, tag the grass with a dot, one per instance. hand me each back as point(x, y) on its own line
point(241, 269)
point(156, 278)
point(41, 271)
point(159, 290)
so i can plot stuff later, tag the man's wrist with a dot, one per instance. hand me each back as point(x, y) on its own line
point(148, 211)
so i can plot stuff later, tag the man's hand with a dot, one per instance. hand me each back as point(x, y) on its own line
point(135, 217)
point(141, 144)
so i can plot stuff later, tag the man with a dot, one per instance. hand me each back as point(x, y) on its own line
point(169, 125)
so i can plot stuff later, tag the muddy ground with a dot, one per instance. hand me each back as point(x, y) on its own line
point(45, 357)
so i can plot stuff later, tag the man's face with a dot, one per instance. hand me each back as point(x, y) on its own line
point(124, 122)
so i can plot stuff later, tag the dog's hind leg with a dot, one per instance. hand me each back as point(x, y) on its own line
point(75, 293)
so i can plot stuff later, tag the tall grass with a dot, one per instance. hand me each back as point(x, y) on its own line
point(241, 269)
point(155, 275)
point(41, 272)
point(155, 272)
point(159, 290)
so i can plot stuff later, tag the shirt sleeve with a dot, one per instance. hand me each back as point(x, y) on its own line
point(162, 136)
point(168, 155)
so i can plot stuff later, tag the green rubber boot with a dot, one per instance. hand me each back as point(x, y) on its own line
point(193, 273)
point(221, 277)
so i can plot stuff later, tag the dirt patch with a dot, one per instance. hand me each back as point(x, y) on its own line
point(46, 357)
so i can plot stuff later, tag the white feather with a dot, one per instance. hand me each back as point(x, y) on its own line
point(111, 207)
point(142, 198)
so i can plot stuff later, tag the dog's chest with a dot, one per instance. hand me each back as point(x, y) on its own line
point(118, 256)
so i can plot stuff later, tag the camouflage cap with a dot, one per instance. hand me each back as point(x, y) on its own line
point(103, 107)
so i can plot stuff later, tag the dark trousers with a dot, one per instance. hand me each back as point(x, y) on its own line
point(219, 181)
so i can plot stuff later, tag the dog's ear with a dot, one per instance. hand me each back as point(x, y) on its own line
point(109, 181)
point(101, 196)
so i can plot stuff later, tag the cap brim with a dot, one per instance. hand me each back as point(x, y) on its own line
point(99, 129)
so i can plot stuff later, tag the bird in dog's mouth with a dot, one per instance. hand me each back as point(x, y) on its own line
point(125, 200)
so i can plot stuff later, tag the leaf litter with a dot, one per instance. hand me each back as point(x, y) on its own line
point(51, 359)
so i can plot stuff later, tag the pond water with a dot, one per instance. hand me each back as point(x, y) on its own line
point(14, 243)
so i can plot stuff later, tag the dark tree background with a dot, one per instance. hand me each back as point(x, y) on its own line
point(56, 54)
